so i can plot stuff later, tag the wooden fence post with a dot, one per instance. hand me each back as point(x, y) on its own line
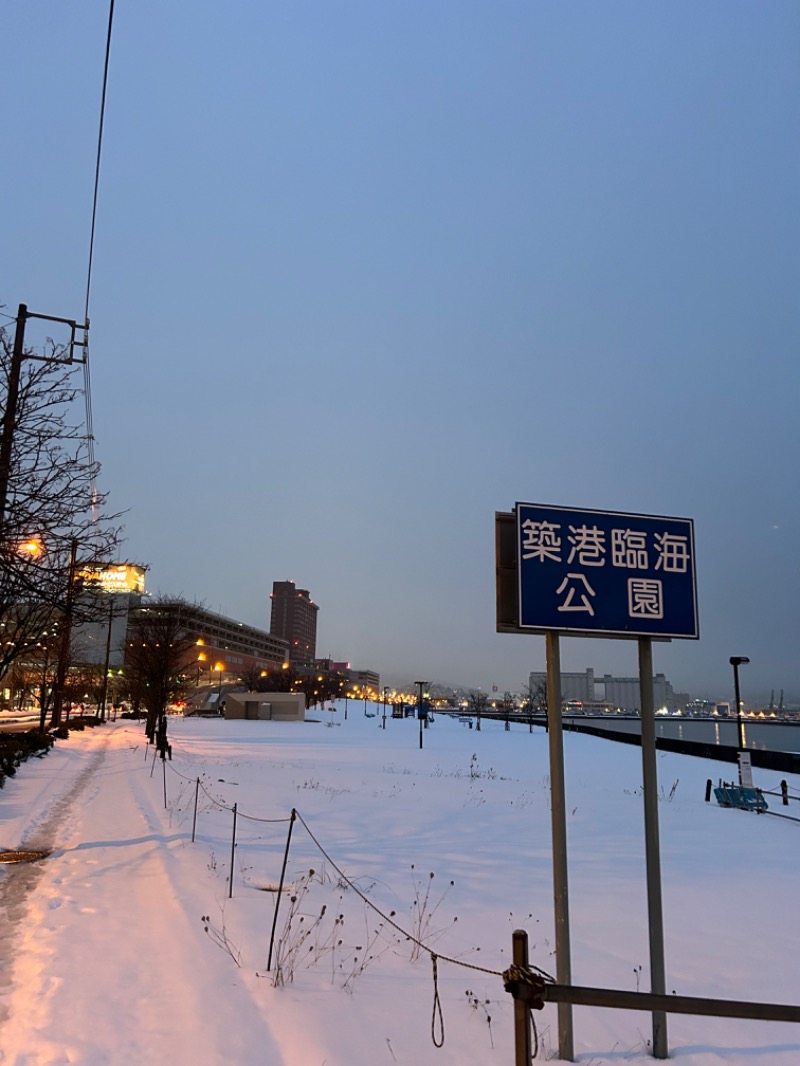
point(233, 848)
point(522, 1012)
point(194, 820)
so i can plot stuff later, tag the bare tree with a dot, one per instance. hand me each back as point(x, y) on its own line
point(508, 704)
point(538, 698)
point(159, 657)
point(278, 679)
point(35, 675)
point(50, 502)
point(250, 676)
point(83, 685)
point(318, 685)
point(478, 702)
point(534, 700)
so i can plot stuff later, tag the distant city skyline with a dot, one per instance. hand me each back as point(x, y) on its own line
point(364, 276)
point(574, 682)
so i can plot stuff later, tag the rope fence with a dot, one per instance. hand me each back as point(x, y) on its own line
point(530, 985)
point(437, 1014)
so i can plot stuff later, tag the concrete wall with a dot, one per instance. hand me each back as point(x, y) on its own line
point(266, 706)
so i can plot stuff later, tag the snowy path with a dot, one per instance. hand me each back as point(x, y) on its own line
point(42, 825)
point(99, 810)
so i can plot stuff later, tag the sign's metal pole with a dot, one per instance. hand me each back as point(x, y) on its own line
point(658, 981)
point(559, 827)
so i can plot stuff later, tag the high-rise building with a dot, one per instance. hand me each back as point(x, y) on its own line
point(294, 619)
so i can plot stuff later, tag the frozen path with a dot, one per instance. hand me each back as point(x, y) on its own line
point(93, 801)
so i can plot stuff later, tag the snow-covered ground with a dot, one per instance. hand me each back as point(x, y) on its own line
point(123, 947)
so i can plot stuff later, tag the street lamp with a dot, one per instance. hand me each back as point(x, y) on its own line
point(32, 548)
point(736, 661)
point(220, 668)
point(385, 694)
point(419, 710)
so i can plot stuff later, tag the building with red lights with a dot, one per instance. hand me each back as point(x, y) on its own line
point(294, 619)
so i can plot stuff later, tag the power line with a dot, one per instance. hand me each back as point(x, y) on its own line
point(98, 158)
point(87, 377)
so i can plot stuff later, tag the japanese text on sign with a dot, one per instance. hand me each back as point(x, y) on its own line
point(605, 572)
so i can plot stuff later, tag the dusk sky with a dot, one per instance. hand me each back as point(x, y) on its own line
point(366, 273)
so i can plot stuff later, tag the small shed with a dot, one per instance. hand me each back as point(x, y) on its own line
point(266, 706)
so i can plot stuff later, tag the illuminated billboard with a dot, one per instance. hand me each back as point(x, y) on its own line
point(115, 578)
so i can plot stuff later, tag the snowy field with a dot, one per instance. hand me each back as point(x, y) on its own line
point(123, 947)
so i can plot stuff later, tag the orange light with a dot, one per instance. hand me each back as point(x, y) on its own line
point(32, 548)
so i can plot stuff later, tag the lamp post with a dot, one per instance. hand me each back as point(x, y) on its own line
point(220, 670)
point(45, 666)
point(736, 661)
point(107, 661)
point(115, 683)
point(419, 710)
point(385, 693)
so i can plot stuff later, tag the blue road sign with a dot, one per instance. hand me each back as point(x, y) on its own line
point(604, 573)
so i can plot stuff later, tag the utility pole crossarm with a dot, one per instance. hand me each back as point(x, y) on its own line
point(74, 341)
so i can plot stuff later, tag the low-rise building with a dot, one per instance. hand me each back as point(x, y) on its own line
point(266, 706)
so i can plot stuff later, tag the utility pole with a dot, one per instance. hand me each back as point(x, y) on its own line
point(6, 453)
point(63, 652)
point(14, 375)
point(107, 660)
point(10, 416)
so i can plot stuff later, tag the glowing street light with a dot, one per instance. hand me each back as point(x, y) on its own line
point(32, 548)
point(220, 668)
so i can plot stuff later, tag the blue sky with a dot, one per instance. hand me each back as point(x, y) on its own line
point(366, 273)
